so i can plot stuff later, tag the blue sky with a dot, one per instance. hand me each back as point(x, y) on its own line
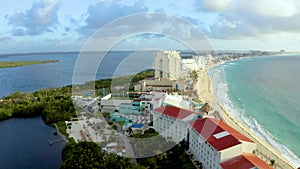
point(66, 25)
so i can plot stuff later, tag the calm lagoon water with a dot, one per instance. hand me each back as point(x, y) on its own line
point(23, 144)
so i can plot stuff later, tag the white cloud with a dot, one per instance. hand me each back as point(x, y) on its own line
point(107, 11)
point(213, 5)
point(41, 17)
point(271, 8)
point(5, 39)
point(256, 19)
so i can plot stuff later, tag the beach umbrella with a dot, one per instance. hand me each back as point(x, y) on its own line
point(205, 108)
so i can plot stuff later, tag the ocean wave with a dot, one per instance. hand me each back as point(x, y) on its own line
point(220, 89)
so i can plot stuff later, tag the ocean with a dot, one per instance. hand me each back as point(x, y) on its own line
point(23, 142)
point(263, 92)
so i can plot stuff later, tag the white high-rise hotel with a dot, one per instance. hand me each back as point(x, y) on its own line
point(167, 64)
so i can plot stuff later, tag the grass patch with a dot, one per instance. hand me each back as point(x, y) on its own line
point(62, 128)
point(24, 63)
point(197, 100)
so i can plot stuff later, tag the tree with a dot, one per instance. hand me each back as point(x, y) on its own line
point(88, 155)
point(272, 162)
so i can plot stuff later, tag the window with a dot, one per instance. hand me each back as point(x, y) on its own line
point(160, 74)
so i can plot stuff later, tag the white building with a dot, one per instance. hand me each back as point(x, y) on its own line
point(171, 122)
point(178, 101)
point(194, 64)
point(212, 142)
point(167, 64)
point(157, 98)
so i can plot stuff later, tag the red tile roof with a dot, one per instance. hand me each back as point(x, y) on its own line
point(175, 112)
point(245, 161)
point(208, 127)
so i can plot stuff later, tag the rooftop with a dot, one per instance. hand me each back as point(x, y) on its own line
point(174, 112)
point(218, 134)
point(245, 161)
point(141, 99)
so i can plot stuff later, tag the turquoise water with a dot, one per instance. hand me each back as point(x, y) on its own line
point(264, 92)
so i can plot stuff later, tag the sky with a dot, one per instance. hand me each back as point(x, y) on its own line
point(68, 25)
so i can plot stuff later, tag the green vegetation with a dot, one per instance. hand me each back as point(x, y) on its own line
point(62, 128)
point(53, 105)
point(194, 75)
point(197, 100)
point(272, 162)
point(173, 158)
point(24, 63)
point(89, 155)
point(108, 84)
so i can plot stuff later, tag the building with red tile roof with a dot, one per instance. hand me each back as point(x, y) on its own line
point(246, 160)
point(213, 141)
point(171, 122)
point(175, 112)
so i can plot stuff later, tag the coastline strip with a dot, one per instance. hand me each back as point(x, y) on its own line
point(264, 149)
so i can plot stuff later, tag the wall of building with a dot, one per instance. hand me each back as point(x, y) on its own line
point(203, 152)
point(248, 147)
point(231, 152)
point(167, 64)
point(125, 108)
point(109, 105)
point(169, 127)
point(136, 107)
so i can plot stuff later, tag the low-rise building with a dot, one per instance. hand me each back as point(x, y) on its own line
point(137, 106)
point(177, 101)
point(171, 122)
point(155, 85)
point(110, 105)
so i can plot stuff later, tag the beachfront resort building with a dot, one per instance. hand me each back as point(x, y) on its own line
point(167, 64)
point(195, 63)
point(211, 141)
point(171, 122)
point(245, 160)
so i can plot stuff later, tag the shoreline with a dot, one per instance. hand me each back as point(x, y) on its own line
point(264, 149)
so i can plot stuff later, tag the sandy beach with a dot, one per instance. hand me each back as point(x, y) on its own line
point(264, 150)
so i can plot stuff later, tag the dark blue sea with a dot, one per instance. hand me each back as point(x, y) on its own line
point(23, 142)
